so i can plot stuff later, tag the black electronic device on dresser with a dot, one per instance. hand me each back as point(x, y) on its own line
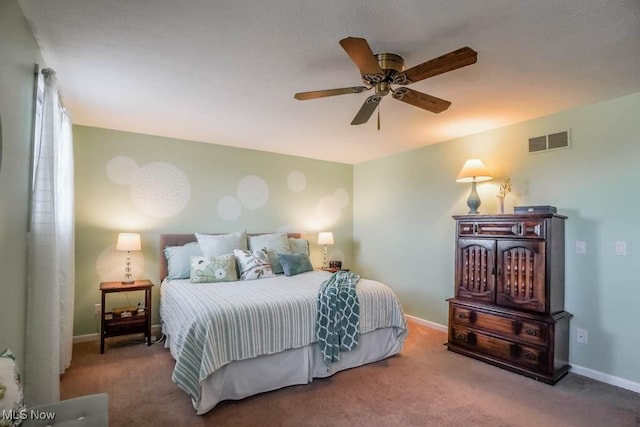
point(508, 308)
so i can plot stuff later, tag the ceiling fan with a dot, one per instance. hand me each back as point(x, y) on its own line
point(380, 71)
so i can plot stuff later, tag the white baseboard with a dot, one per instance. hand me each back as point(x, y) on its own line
point(85, 338)
point(96, 337)
point(427, 323)
point(605, 378)
point(576, 369)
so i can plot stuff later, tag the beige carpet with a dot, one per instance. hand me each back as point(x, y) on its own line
point(425, 385)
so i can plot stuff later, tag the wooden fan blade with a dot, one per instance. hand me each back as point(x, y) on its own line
point(367, 110)
point(442, 64)
point(329, 92)
point(361, 54)
point(421, 100)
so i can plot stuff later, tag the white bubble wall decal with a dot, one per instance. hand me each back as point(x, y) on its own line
point(342, 197)
point(253, 192)
point(296, 181)
point(328, 210)
point(121, 169)
point(160, 190)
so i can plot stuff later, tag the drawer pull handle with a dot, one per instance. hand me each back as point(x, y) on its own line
point(461, 337)
point(462, 316)
point(530, 356)
point(531, 331)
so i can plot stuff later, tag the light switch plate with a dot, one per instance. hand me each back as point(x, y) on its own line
point(581, 247)
point(621, 248)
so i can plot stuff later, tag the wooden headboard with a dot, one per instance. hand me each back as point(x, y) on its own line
point(182, 239)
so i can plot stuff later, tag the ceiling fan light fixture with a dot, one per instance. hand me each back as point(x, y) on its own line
point(381, 70)
point(383, 88)
point(390, 63)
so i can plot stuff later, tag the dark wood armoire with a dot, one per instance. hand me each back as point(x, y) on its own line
point(508, 308)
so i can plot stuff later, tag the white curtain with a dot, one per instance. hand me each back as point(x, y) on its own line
point(50, 275)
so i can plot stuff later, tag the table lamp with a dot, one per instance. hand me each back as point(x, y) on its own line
point(473, 171)
point(128, 242)
point(325, 238)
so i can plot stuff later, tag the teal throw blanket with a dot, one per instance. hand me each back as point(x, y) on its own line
point(338, 318)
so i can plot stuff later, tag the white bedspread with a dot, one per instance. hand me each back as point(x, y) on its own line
point(212, 324)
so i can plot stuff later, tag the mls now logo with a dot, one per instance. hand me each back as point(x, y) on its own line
point(25, 414)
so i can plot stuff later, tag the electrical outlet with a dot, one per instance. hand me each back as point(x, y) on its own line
point(621, 248)
point(582, 336)
point(97, 308)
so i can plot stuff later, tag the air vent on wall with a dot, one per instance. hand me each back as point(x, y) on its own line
point(552, 141)
point(538, 143)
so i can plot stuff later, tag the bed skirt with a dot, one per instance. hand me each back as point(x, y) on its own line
point(243, 378)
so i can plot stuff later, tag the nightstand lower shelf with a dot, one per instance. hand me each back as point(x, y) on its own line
point(116, 326)
point(139, 322)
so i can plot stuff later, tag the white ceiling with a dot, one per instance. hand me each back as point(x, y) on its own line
point(225, 71)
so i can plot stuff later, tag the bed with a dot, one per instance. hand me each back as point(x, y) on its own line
point(231, 340)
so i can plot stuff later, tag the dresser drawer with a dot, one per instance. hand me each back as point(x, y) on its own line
point(533, 332)
point(527, 228)
point(508, 351)
point(521, 330)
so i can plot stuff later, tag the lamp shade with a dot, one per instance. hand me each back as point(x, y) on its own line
point(325, 238)
point(474, 170)
point(128, 242)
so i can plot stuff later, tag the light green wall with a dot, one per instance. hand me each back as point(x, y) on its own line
point(402, 226)
point(18, 54)
point(149, 166)
point(403, 230)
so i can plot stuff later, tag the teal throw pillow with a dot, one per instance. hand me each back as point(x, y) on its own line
point(295, 263)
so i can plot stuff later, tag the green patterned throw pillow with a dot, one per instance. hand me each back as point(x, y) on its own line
point(11, 401)
point(208, 269)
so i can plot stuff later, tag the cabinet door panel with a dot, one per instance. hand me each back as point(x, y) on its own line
point(475, 270)
point(521, 274)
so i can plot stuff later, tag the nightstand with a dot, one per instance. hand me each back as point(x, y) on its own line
point(112, 325)
point(333, 270)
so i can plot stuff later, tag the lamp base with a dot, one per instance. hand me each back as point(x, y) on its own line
point(474, 200)
point(128, 282)
point(324, 258)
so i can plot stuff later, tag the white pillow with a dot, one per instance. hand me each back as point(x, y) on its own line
point(299, 246)
point(179, 259)
point(276, 243)
point(11, 399)
point(220, 244)
point(253, 264)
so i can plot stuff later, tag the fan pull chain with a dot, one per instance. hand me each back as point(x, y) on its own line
point(378, 116)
